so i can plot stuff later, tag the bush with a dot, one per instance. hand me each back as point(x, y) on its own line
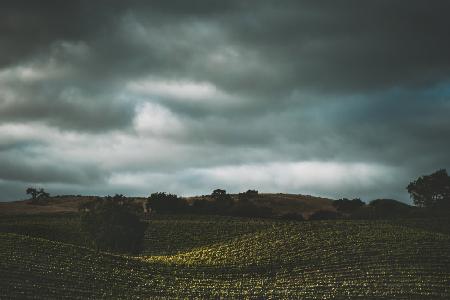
point(166, 203)
point(113, 225)
point(389, 208)
point(222, 201)
point(203, 206)
point(385, 209)
point(348, 206)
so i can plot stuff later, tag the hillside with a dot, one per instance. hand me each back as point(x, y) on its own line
point(210, 256)
point(56, 204)
point(280, 204)
point(59, 204)
point(284, 203)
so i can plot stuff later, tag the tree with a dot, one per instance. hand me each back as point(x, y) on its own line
point(162, 202)
point(113, 225)
point(348, 206)
point(222, 201)
point(36, 194)
point(431, 191)
point(389, 208)
point(246, 196)
point(218, 193)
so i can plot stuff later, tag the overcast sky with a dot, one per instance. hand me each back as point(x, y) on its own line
point(329, 98)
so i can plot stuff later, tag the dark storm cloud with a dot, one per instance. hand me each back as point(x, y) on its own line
point(350, 45)
point(27, 28)
point(225, 83)
point(308, 44)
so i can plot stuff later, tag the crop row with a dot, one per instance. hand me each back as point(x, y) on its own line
point(314, 260)
point(171, 236)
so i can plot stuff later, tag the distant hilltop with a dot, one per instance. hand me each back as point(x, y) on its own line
point(280, 203)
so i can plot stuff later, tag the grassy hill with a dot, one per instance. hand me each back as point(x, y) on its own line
point(280, 204)
point(210, 256)
point(284, 203)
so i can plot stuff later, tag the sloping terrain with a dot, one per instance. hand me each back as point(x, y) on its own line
point(280, 204)
point(59, 204)
point(61, 227)
point(284, 203)
point(272, 259)
point(168, 234)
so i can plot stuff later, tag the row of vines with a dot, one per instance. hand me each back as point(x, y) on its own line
point(209, 257)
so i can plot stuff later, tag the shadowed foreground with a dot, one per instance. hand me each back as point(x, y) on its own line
point(318, 259)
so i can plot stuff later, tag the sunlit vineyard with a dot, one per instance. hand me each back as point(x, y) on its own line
point(221, 257)
point(179, 233)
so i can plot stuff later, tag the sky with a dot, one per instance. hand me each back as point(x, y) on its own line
point(328, 98)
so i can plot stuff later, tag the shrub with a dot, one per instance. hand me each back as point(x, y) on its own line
point(384, 209)
point(113, 225)
point(203, 206)
point(247, 195)
point(222, 201)
point(166, 203)
point(348, 206)
point(389, 208)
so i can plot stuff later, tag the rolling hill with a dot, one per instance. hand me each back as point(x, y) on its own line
point(280, 204)
point(211, 257)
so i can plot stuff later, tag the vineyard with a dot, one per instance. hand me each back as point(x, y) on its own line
point(223, 257)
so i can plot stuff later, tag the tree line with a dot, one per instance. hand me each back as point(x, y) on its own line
point(116, 224)
point(218, 203)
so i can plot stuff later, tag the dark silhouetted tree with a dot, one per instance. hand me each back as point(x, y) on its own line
point(203, 206)
point(218, 193)
point(166, 203)
point(222, 201)
point(389, 208)
point(246, 196)
point(345, 205)
point(113, 225)
point(431, 191)
point(37, 195)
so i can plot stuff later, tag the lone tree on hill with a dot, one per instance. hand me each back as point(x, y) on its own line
point(223, 201)
point(217, 193)
point(37, 194)
point(431, 191)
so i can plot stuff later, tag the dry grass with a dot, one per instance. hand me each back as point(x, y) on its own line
point(285, 203)
point(280, 204)
point(53, 205)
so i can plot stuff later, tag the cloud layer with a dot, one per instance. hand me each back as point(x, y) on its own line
point(331, 98)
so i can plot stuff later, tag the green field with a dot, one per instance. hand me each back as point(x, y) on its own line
point(224, 257)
